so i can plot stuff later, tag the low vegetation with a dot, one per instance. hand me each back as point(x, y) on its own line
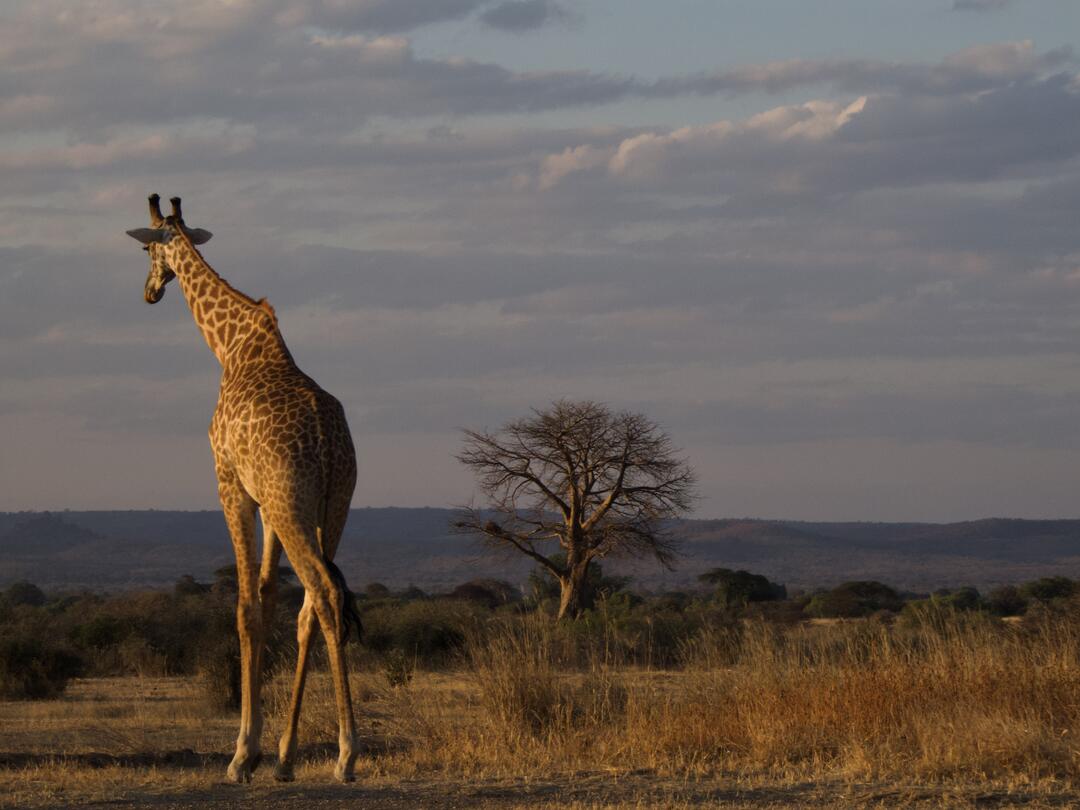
point(45, 640)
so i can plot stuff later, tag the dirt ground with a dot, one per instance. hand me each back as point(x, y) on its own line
point(572, 792)
point(582, 791)
point(117, 743)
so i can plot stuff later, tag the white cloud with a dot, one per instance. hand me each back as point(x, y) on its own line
point(644, 155)
point(570, 160)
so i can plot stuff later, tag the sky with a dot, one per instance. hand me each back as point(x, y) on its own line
point(833, 248)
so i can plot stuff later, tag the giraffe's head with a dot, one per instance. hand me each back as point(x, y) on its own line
point(163, 230)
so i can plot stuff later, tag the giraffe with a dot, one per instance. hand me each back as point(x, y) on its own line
point(281, 446)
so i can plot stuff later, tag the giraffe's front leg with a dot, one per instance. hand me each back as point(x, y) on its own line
point(239, 511)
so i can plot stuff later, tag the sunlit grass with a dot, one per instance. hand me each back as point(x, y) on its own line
point(946, 704)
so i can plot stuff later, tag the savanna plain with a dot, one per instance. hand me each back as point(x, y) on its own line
point(657, 702)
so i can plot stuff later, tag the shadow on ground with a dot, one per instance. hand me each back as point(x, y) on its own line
point(635, 790)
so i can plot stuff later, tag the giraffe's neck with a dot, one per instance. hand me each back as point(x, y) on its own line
point(236, 328)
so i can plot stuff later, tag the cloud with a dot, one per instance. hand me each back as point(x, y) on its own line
point(828, 147)
point(384, 16)
point(968, 71)
point(570, 160)
point(315, 66)
point(518, 16)
point(885, 256)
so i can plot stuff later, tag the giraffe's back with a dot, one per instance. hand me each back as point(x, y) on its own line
point(287, 438)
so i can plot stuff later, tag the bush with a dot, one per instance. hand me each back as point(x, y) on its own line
point(739, 588)
point(1049, 588)
point(491, 593)
point(100, 632)
point(430, 631)
point(1007, 601)
point(961, 599)
point(966, 598)
point(24, 593)
point(188, 586)
point(31, 668)
point(854, 599)
point(218, 665)
point(376, 590)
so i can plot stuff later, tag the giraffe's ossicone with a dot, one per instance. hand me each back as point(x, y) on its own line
point(281, 445)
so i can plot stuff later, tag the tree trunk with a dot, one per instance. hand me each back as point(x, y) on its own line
point(575, 596)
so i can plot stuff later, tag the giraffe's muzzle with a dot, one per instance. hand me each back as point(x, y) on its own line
point(153, 294)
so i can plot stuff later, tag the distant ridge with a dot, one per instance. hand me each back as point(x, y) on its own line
point(47, 533)
point(112, 550)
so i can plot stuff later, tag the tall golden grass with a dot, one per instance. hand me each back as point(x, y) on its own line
point(937, 694)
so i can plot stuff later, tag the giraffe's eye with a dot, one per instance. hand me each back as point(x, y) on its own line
point(146, 248)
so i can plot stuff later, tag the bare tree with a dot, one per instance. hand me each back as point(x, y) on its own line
point(576, 483)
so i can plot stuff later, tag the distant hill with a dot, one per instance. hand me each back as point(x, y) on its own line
point(399, 547)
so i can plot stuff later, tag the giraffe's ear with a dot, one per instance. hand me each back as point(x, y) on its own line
point(148, 235)
point(197, 236)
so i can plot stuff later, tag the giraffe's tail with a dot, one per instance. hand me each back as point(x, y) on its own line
point(349, 615)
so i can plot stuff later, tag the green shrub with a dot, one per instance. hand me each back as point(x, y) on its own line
point(24, 593)
point(1049, 588)
point(739, 588)
point(188, 586)
point(430, 631)
point(946, 602)
point(491, 593)
point(218, 666)
point(854, 599)
point(966, 598)
point(376, 590)
point(100, 632)
point(1007, 601)
point(32, 668)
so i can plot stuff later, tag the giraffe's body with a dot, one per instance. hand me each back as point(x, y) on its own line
point(281, 445)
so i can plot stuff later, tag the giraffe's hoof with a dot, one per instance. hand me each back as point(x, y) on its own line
point(284, 772)
point(241, 770)
point(344, 774)
point(239, 774)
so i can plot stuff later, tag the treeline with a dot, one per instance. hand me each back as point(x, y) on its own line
point(47, 639)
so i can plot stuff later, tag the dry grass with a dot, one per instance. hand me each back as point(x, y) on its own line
point(963, 696)
point(958, 706)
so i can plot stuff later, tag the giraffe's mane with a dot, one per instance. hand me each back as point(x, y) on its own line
point(262, 303)
point(266, 307)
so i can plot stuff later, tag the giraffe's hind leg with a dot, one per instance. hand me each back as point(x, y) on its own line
point(329, 537)
point(323, 601)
